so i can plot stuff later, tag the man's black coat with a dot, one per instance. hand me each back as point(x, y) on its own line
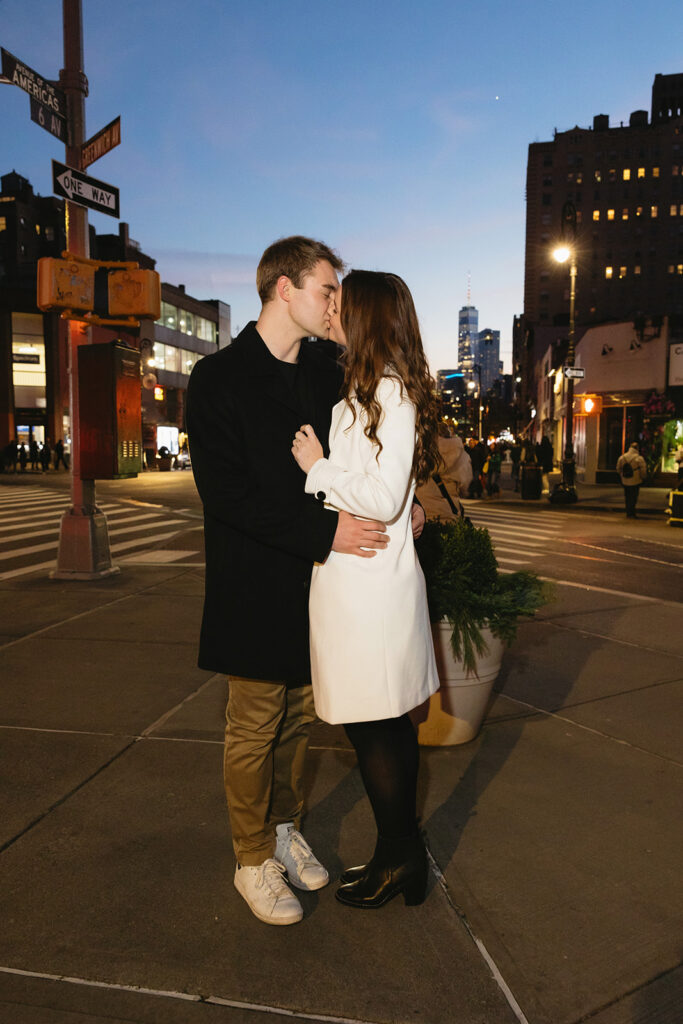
point(262, 531)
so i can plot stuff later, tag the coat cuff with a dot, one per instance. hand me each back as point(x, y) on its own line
point(320, 478)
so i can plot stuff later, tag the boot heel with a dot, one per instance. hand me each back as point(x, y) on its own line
point(415, 890)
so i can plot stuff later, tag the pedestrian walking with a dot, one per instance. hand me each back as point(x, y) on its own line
point(45, 455)
point(454, 475)
point(34, 453)
point(23, 457)
point(372, 655)
point(515, 458)
point(59, 454)
point(493, 465)
point(632, 471)
point(546, 458)
point(263, 533)
point(478, 454)
point(11, 455)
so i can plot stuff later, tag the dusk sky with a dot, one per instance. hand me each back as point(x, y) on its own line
point(395, 132)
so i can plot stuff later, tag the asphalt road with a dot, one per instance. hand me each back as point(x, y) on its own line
point(601, 550)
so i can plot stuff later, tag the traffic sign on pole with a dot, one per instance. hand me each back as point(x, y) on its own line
point(47, 119)
point(79, 188)
point(101, 143)
point(48, 101)
point(574, 372)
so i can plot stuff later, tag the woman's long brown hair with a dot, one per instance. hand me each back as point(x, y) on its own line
point(383, 340)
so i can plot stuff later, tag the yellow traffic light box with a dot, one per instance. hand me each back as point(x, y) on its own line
point(98, 292)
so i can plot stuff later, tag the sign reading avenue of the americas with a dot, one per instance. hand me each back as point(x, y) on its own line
point(48, 102)
point(85, 191)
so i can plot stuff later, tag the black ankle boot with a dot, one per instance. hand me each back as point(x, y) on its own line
point(353, 874)
point(398, 866)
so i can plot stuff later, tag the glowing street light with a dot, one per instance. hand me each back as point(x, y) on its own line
point(565, 491)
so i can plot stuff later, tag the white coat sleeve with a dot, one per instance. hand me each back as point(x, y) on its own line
point(380, 491)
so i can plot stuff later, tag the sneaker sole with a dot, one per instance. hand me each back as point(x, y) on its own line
point(271, 920)
point(307, 888)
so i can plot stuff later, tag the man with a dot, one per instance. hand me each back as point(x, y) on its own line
point(262, 535)
point(632, 470)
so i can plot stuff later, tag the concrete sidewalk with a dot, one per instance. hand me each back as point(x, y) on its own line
point(555, 836)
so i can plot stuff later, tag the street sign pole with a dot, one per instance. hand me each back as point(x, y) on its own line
point(84, 539)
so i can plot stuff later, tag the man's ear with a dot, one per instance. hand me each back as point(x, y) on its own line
point(284, 287)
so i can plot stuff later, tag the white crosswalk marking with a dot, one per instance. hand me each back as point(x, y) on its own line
point(518, 537)
point(30, 520)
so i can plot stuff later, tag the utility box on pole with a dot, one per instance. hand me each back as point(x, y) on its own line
point(110, 411)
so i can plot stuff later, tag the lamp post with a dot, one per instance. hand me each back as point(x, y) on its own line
point(565, 491)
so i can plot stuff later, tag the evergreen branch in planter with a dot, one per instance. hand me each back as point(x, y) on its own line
point(465, 586)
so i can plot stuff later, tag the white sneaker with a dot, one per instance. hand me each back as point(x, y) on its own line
point(303, 868)
point(267, 894)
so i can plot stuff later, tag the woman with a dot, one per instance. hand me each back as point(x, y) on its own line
point(372, 658)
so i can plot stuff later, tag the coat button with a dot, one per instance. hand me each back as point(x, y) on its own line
point(321, 495)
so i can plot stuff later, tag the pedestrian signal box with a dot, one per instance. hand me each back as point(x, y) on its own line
point(589, 405)
point(110, 411)
point(98, 292)
point(65, 284)
point(134, 293)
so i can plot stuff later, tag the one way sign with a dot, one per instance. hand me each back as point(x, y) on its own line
point(79, 188)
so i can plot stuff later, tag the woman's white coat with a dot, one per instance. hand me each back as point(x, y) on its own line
point(372, 655)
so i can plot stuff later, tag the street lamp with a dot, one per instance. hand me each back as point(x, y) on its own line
point(565, 492)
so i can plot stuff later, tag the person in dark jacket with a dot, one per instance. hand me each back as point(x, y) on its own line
point(263, 533)
point(545, 456)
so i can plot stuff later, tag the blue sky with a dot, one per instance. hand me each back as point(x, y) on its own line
point(398, 134)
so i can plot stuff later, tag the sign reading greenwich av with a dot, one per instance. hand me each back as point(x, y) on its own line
point(79, 188)
point(48, 102)
point(101, 143)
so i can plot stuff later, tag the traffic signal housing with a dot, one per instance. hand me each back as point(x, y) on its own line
point(65, 284)
point(589, 405)
point(98, 292)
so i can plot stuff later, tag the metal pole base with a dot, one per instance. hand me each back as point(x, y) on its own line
point(83, 547)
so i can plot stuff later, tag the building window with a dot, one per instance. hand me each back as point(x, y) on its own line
point(3, 223)
point(636, 270)
point(655, 172)
point(597, 176)
point(624, 213)
point(641, 172)
point(186, 322)
point(608, 273)
point(626, 174)
point(545, 218)
point(547, 183)
point(169, 316)
point(622, 272)
point(654, 212)
point(547, 199)
point(639, 211)
point(612, 175)
point(596, 215)
point(679, 268)
point(610, 215)
point(673, 210)
point(671, 268)
point(675, 170)
point(579, 217)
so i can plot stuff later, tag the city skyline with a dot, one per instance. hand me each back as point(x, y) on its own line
point(386, 137)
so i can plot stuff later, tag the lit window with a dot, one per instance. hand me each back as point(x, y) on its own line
point(641, 172)
point(627, 174)
point(612, 174)
point(610, 215)
point(655, 172)
point(579, 178)
point(673, 210)
point(37, 229)
point(622, 272)
point(608, 273)
point(671, 268)
point(3, 223)
point(675, 170)
point(654, 211)
point(636, 270)
point(158, 393)
point(597, 175)
point(679, 268)
point(680, 209)
point(624, 213)
point(579, 217)
point(639, 211)
point(596, 215)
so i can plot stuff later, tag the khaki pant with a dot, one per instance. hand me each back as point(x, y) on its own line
point(266, 738)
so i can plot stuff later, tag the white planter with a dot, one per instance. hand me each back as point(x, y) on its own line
point(454, 714)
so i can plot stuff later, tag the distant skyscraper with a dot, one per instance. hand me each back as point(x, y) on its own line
point(468, 334)
point(488, 357)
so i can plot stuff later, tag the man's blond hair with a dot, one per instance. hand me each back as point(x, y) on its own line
point(295, 257)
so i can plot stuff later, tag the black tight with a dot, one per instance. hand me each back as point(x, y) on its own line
point(388, 757)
